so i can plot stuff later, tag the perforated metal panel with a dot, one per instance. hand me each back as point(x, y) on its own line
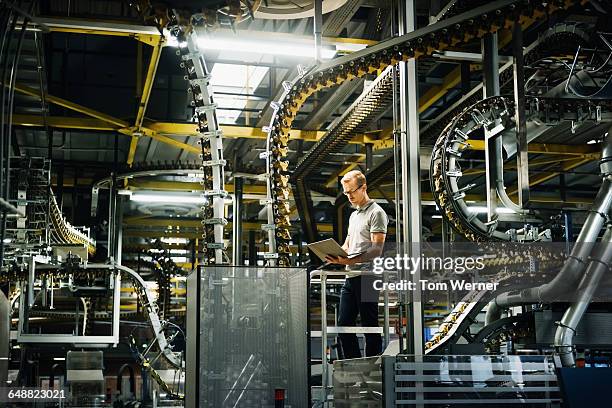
point(593, 329)
point(252, 336)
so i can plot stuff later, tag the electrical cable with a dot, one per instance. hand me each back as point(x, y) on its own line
point(7, 15)
point(4, 156)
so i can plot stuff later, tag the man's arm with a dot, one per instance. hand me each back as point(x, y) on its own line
point(347, 243)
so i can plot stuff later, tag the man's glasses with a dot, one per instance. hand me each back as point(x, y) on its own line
point(348, 193)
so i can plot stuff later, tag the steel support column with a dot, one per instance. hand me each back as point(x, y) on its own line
point(411, 184)
point(252, 249)
point(522, 163)
point(237, 222)
point(369, 157)
point(112, 216)
point(490, 68)
point(118, 240)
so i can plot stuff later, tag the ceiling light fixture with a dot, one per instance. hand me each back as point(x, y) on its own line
point(483, 209)
point(262, 47)
point(174, 240)
point(168, 198)
point(303, 49)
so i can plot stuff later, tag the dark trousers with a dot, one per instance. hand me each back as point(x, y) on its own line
point(359, 297)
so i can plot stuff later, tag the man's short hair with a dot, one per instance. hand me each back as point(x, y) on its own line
point(354, 174)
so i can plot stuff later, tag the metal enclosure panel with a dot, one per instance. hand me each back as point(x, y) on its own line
point(593, 329)
point(84, 373)
point(191, 328)
point(5, 326)
point(252, 336)
point(358, 382)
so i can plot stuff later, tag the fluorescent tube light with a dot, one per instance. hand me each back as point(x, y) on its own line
point(298, 49)
point(174, 240)
point(263, 47)
point(483, 209)
point(168, 198)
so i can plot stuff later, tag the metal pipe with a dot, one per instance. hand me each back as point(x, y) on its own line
point(599, 264)
point(318, 23)
point(575, 265)
point(5, 206)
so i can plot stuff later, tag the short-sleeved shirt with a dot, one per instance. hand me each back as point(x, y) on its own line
point(365, 220)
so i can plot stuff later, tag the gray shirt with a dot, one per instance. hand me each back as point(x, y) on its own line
point(364, 221)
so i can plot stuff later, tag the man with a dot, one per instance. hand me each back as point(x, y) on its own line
point(366, 237)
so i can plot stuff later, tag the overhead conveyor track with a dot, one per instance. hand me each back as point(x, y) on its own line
point(210, 139)
point(436, 37)
point(371, 104)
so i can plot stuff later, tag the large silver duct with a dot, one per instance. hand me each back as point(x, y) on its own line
point(573, 269)
point(599, 264)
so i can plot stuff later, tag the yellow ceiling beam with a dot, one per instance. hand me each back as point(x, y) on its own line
point(567, 166)
point(351, 163)
point(160, 138)
point(26, 90)
point(163, 131)
point(144, 99)
point(173, 223)
point(121, 126)
point(63, 122)
point(147, 34)
point(189, 186)
point(231, 131)
point(151, 35)
point(145, 38)
point(436, 92)
point(148, 84)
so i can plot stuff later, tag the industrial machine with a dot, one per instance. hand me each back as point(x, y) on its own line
point(528, 101)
